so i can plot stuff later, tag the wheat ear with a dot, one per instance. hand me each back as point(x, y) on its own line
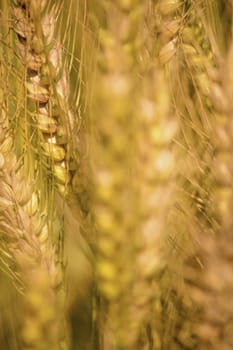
point(47, 85)
point(156, 155)
point(211, 282)
point(115, 202)
point(191, 87)
point(25, 230)
point(201, 288)
point(196, 52)
point(27, 235)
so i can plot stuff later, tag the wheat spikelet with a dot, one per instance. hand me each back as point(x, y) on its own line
point(194, 49)
point(169, 24)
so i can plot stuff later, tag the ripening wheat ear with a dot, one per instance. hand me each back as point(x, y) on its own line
point(115, 166)
point(54, 131)
point(53, 122)
point(191, 88)
point(222, 142)
point(27, 226)
point(187, 46)
point(191, 68)
point(47, 84)
point(25, 231)
point(155, 130)
point(131, 219)
point(157, 156)
point(188, 67)
point(202, 282)
point(191, 75)
point(211, 283)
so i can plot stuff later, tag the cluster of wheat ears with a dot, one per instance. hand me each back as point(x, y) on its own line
point(116, 175)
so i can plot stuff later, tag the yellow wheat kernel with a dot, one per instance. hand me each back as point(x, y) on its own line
point(167, 51)
point(6, 145)
point(167, 7)
point(222, 198)
point(127, 5)
point(43, 237)
point(31, 206)
point(163, 165)
point(61, 173)
point(37, 92)
point(107, 269)
point(169, 29)
point(46, 124)
point(56, 152)
point(2, 161)
point(161, 135)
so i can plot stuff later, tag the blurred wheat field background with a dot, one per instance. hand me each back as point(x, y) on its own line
point(116, 175)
